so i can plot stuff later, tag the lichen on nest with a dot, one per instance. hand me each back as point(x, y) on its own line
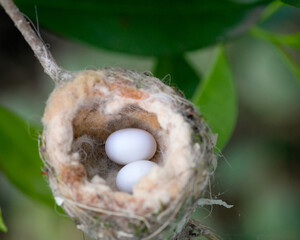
point(80, 115)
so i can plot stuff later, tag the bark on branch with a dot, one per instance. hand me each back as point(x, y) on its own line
point(44, 56)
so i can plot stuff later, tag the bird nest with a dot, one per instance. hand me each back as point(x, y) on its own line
point(79, 117)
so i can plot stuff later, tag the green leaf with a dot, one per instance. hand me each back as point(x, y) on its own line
point(216, 99)
point(182, 75)
point(270, 10)
point(19, 157)
point(151, 28)
point(291, 40)
point(3, 228)
point(295, 3)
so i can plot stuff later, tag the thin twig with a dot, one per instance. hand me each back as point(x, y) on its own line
point(197, 230)
point(44, 56)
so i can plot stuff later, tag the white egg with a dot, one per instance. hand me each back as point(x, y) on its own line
point(129, 145)
point(130, 174)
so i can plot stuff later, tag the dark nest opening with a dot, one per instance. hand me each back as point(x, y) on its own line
point(91, 128)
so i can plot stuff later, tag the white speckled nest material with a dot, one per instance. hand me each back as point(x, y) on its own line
point(80, 115)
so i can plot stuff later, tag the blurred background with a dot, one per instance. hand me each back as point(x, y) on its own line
point(258, 171)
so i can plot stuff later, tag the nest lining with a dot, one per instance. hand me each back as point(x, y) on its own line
point(91, 128)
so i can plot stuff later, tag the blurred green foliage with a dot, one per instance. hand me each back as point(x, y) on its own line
point(146, 28)
point(216, 99)
point(295, 3)
point(19, 157)
point(280, 42)
point(177, 71)
point(267, 199)
point(291, 40)
point(3, 228)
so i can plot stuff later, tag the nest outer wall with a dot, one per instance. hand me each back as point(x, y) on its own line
point(78, 118)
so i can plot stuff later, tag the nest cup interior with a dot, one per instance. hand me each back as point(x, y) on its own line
point(91, 128)
point(81, 114)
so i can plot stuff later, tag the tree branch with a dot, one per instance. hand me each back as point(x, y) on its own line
point(44, 56)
